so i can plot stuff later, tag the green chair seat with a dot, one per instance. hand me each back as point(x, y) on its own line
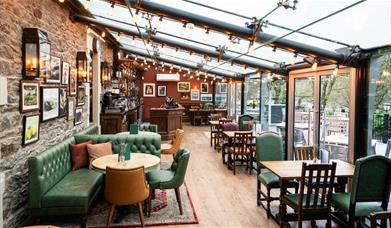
point(269, 179)
point(342, 201)
point(294, 199)
point(157, 178)
point(74, 190)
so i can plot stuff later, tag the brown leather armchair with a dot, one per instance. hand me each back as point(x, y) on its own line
point(126, 187)
point(172, 148)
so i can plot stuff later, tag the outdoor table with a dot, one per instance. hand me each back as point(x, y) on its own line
point(149, 161)
point(290, 170)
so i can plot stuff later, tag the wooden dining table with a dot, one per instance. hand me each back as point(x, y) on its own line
point(290, 170)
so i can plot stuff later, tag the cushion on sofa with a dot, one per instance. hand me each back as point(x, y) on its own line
point(98, 150)
point(79, 155)
point(75, 189)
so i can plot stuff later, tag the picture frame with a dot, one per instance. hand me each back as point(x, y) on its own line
point(161, 91)
point(49, 103)
point(55, 70)
point(149, 89)
point(183, 87)
point(30, 129)
point(206, 97)
point(81, 95)
point(72, 81)
point(29, 95)
point(195, 95)
point(223, 87)
point(185, 96)
point(71, 108)
point(65, 73)
point(63, 102)
point(78, 116)
point(204, 87)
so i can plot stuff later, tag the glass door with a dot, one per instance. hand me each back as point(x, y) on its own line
point(320, 104)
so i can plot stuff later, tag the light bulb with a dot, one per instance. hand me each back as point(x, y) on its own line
point(61, 1)
point(88, 30)
point(314, 65)
point(111, 10)
point(159, 23)
point(206, 36)
point(229, 43)
point(198, 78)
point(134, 18)
point(87, 5)
point(103, 34)
point(183, 30)
point(274, 53)
point(180, 69)
point(335, 72)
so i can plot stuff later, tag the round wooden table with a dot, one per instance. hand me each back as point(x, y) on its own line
point(149, 161)
point(139, 133)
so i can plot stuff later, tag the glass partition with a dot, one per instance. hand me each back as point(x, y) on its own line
point(252, 96)
point(235, 98)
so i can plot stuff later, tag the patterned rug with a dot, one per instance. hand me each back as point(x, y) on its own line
point(165, 211)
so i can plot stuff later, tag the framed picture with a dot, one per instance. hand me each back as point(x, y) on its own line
point(55, 70)
point(78, 116)
point(30, 129)
point(72, 81)
point(44, 58)
point(149, 89)
point(204, 87)
point(185, 96)
point(206, 97)
point(49, 103)
point(81, 95)
point(65, 73)
point(195, 95)
point(183, 87)
point(161, 91)
point(71, 108)
point(63, 106)
point(29, 100)
point(222, 88)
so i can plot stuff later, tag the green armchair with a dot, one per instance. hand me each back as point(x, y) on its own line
point(148, 127)
point(171, 178)
point(370, 189)
point(243, 118)
point(269, 148)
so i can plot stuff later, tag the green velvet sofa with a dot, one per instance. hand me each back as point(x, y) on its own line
point(56, 190)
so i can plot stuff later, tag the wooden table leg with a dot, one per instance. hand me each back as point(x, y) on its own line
point(282, 207)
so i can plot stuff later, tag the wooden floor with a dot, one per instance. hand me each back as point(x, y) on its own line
point(220, 198)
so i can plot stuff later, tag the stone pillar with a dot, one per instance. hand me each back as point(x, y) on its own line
point(96, 88)
point(2, 187)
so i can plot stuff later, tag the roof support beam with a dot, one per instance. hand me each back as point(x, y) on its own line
point(230, 29)
point(181, 45)
point(185, 65)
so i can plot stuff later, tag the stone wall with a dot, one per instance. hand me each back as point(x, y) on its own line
point(66, 39)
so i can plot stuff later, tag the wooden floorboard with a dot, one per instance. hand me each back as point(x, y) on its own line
point(220, 198)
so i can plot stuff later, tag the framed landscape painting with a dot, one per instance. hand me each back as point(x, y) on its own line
point(185, 96)
point(81, 95)
point(65, 73)
point(63, 107)
point(55, 70)
point(30, 129)
point(206, 97)
point(72, 81)
point(161, 91)
point(183, 87)
point(29, 100)
point(78, 116)
point(195, 95)
point(71, 108)
point(204, 87)
point(49, 103)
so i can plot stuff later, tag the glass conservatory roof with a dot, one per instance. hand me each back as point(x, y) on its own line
point(367, 24)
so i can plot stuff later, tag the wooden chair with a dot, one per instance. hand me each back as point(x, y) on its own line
point(198, 116)
point(313, 202)
point(226, 142)
point(220, 132)
point(214, 128)
point(240, 150)
point(175, 145)
point(304, 153)
point(126, 187)
point(382, 217)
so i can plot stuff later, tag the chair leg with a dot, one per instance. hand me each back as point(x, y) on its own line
point(299, 221)
point(268, 203)
point(178, 198)
point(150, 202)
point(351, 223)
point(140, 213)
point(234, 164)
point(258, 193)
point(211, 138)
point(328, 222)
point(110, 216)
point(83, 221)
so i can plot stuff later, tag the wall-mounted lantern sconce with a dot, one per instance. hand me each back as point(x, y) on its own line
point(82, 60)
point(105, 73)
point(35, 53)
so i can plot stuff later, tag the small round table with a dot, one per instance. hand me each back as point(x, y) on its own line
point(149, 161)
point(139, 133)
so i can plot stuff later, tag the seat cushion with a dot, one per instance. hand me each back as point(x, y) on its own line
point(74, 190)
point(294, 199)
point(342, 201)
point(156, 177)
point(98, 150)
point(269, 179)
point(79, 155)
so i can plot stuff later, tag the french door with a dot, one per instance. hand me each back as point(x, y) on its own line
point(321, 108)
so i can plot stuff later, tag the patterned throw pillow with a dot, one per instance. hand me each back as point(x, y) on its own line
point(79, 155)
point(98, 150)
